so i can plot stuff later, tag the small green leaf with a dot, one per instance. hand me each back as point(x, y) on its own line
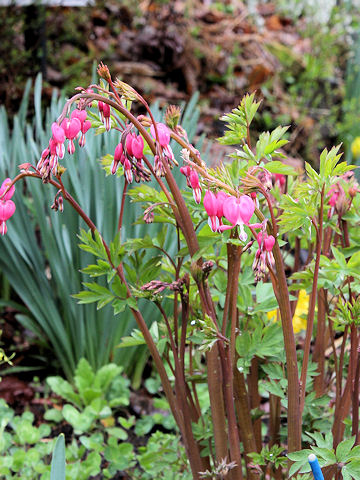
point(343, 449)
point(280, 167)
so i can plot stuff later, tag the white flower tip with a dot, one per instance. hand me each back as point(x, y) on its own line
point(312, 457)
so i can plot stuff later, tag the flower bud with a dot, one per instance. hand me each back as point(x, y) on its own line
point(103, 72)
point(172, 116)
point(125, 90)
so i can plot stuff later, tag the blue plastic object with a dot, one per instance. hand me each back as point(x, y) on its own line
point(315, 467)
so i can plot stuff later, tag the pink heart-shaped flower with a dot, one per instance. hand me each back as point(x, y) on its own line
point(71, 127)
point(79, 114)
point(58, 133)
point(7, 209)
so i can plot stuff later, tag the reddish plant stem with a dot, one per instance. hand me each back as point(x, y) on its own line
point(217, 405)
point(336, 367)
point(255, 398)
point(282, 295)
point(233, 433)
point(177, 274)
point(184, 322)
point(312, 303)
point(341, 359)
point(343, 407)
point(244, 418)
point(274, 420)
point(168, 327)
point(294, 424)
point(319, 349)
point(230, 272)
point(184, 221)
point(234, 261)
point(181, 386)
point(355, 401)
point(121, 215)
point(229, 365)
point(215, 380)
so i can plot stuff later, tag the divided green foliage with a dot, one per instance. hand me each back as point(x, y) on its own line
point(268, 143)
point(263, 342)
point(300, 212)
point(239, 120)
point(346, 456)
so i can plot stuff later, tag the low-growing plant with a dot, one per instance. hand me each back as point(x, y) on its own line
point(94, 396)
point(265, 253)
point(25, 449)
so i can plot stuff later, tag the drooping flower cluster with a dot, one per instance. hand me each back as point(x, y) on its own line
point(263, 254)
point(7, 206)
point(166, 151)
point(105, 114)
point(192, 181)
point(213, 205)
point(280, 181)
point(70, 128)
point(339, 199)
point(237, 210)
point(129, 153)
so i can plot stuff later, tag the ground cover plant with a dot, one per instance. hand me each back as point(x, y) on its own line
point(262, 251)
point(100, 438)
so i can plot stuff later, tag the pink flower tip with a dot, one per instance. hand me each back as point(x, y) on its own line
point(163, 133)
point(4, 187)
point(210, 203)
point(58, 133)
point(138, 147)
point(79, 114)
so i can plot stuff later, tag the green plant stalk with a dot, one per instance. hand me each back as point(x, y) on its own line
point(184, 323)
point(312, 303)
point(336, 360)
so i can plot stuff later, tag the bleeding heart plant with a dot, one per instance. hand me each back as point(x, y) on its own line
point(219, 331)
